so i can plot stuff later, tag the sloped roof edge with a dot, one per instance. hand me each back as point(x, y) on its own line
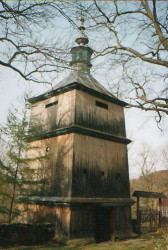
point(146, 194)
point(76, 85)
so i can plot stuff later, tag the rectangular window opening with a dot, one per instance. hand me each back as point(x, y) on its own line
point(51, 104)
point(102, 173)
point(85, 171)
point(102, 105)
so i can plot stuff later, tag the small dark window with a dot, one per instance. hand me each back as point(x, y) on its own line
point(117, 176)
point(85, 171)
point(102, 173)
point(51, 104)
point(102, 105)
point(47, 149)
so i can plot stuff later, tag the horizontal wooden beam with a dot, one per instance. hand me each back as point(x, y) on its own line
point(84, 131)
point(68, 201)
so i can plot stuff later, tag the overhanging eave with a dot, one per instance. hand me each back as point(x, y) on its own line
point(78, 86)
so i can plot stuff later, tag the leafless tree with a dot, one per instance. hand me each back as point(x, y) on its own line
point(129, 41)
point(147, 160)
point(29, 41)
point(132, 39)
point(152, 164)
point(165, 157)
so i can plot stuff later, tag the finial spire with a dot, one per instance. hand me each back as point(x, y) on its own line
point(82, 39)
point(82, 21)
point(81, 54)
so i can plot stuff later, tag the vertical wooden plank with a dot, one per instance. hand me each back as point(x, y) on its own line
point(150, 219)
point(138, 215)
point(160, 213)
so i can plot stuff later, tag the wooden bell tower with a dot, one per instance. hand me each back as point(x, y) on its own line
point(84, 136)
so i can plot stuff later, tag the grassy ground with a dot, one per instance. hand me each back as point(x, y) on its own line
point(151, 241)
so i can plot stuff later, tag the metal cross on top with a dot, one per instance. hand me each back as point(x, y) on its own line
point(82, 39)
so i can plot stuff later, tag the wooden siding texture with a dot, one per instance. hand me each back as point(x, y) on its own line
point(60, 216)
point(87, 114)
point(82, 222)
point(103, 223)
point(57, 167)
point(78, 107)
point(122, 221)
point(100, 168)
point(81, 165)
point(55, 116)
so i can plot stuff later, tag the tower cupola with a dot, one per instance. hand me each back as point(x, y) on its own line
point(81, 54)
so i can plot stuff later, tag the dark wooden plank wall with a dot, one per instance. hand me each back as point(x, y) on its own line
point(78, 107)
point(100, 168)
point(82, 222)
point(89, 115)
point(122, 220)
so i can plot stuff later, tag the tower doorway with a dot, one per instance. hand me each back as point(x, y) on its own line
point(102, 229)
